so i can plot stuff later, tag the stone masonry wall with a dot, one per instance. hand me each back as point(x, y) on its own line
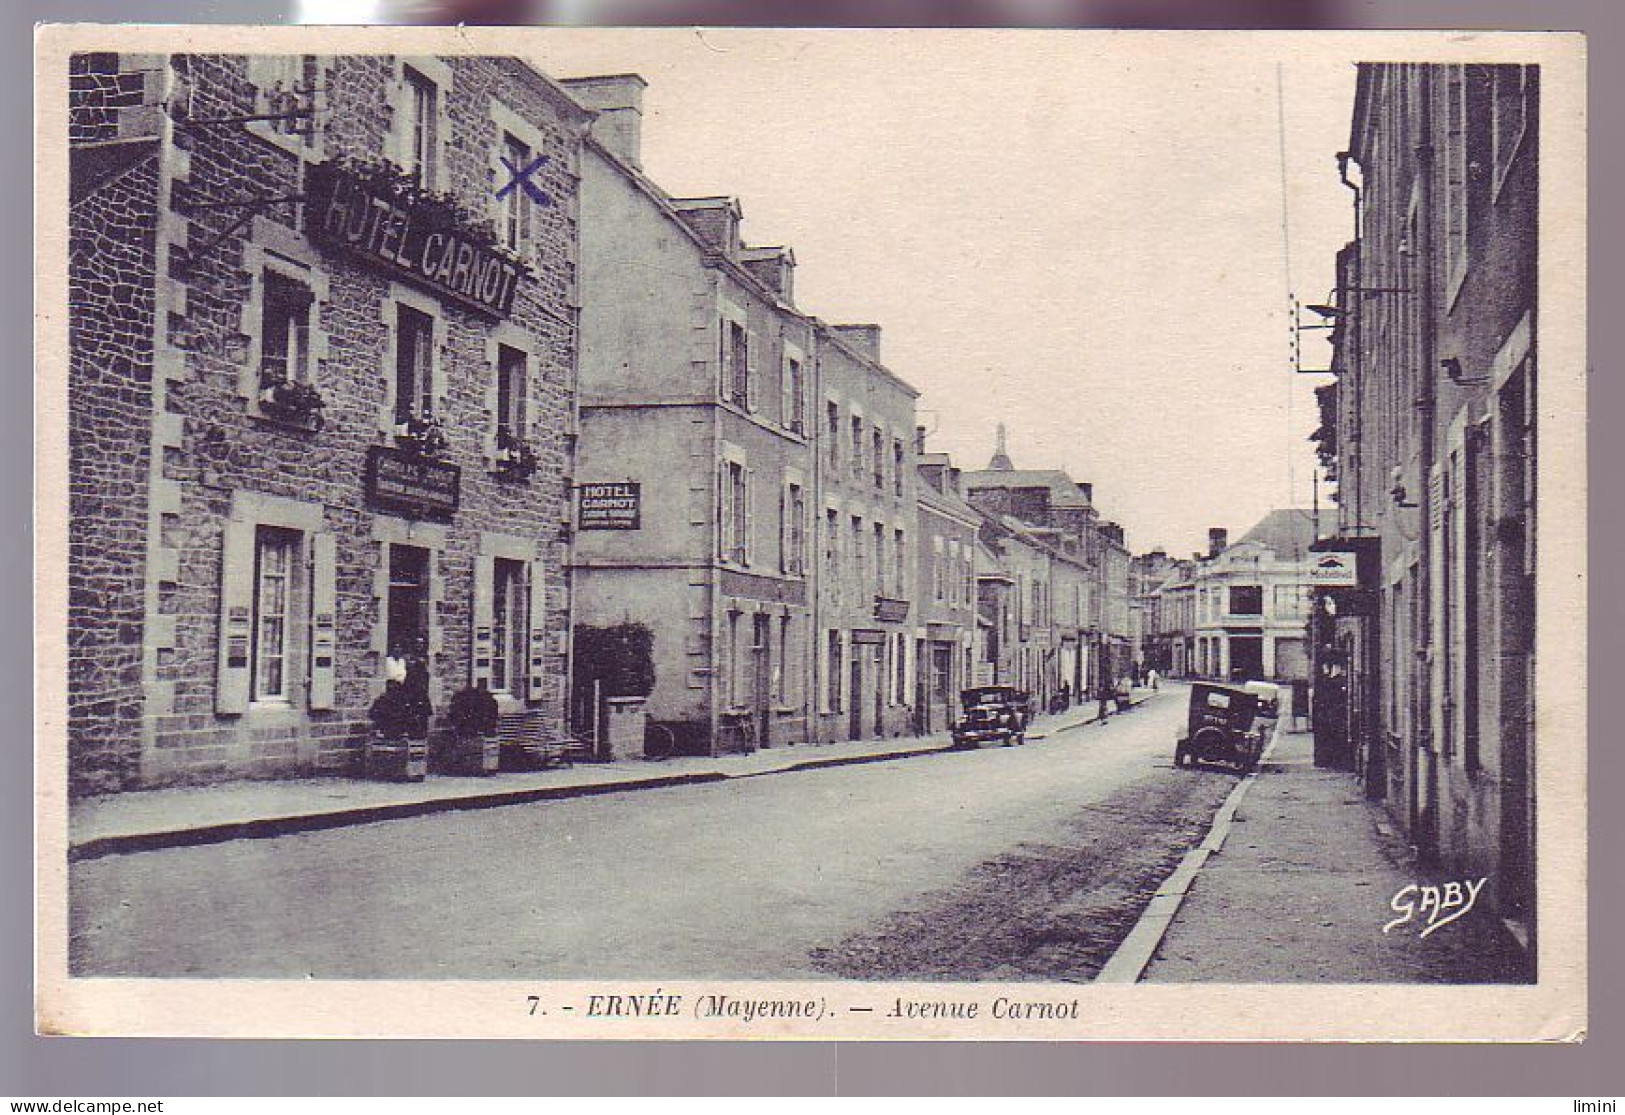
point(111, 282)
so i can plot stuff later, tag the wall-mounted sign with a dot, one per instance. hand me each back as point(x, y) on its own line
point(865, 636)
point(424, 488)
point(363, 216)
point(888, 610)
point(1333, 569)
point(609, 506)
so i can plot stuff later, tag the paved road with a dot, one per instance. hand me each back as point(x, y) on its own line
point(1012, 863)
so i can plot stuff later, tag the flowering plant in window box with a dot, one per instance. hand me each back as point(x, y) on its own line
point(291, 401)
point(515, 457)
point(423, 436)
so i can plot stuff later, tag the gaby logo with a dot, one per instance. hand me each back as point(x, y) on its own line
point(1438, 905)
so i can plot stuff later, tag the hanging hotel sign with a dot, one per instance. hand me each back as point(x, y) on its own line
point(379, 216)
point(610, 506)
point(1333, 569)
point(397, 481)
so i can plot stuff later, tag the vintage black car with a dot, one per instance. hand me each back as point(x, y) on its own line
point(1223, 727)
point(992, 713)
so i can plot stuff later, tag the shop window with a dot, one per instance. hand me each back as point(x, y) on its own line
point(420, 124)
point(510, 608)
point(511, 377)
point(284, 329)
point(516, 206)
point(414, 355)
point(275, 551)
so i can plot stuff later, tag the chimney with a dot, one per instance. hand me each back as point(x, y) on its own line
point(618, 101)
point(1217, 539)
point(864, 338)
point(714, 220)
point(1087, 491)
point(774, 268)
point(919, 440)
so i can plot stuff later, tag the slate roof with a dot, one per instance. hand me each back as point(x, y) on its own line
point(1287, 533)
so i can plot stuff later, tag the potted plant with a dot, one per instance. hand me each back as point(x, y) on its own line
point(398, 749)
point(472, 717)
point(423, 437)
point(288, 400)
point(515, 457)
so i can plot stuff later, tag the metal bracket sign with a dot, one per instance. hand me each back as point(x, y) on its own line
point(1334, 569)
point(616, 506)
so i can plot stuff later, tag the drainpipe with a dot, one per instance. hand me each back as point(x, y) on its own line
point(1420, 275)
point(1355, 334)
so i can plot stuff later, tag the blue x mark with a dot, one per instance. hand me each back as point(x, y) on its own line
point(522, 178)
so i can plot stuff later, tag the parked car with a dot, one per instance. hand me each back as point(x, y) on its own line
point(1269, 698)
point(1222, 727)
point(998, 713)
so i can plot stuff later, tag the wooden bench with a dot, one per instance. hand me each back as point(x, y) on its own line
point(527, 744)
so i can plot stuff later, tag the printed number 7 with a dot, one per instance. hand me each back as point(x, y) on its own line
point(534, 1001)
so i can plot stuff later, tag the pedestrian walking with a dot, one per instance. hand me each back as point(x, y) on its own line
point(1105, 693)
point(1154, 678)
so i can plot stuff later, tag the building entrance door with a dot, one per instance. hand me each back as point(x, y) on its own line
point(762, 676)
point(855, 709)
point(407, 633)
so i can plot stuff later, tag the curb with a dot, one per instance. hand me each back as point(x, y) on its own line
point(1134, 954)
point(261, 828)
point(1051, 733)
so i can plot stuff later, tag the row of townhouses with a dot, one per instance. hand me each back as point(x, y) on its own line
point(1425, 654)
point(399, 366)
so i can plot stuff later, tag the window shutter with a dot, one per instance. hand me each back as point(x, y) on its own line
point(724, 510)
point(481, 645)
point(749, 546)
point(784, 528)
point(753, 367)
point(537, 639)
point(323, 620)
point(786, 410)
point(1437, 497)
point(236, 618)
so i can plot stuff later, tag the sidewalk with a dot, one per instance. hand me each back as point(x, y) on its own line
point(184, 815)
point(1300, 888)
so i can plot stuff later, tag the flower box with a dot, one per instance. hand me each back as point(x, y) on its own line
point(396, 760)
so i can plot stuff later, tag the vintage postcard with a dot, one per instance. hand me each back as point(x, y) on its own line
point(810, 534)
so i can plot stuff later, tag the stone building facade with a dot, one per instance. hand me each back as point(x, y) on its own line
point(1252, 601)
point(945, 630)
point(697, 389)
point(321, 389)
point(867, 534)
point(1429, 431)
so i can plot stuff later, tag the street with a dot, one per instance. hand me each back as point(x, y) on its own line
point(1005, 863)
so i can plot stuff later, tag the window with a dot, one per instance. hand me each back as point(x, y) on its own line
point(407, 630)
point(509, 608)
point(510, 416)
point(727, 665)
point(795, 530)
point(735, 357)
point(1246, 600)
point(832, 434)
point(879, 461)
point(1290, 601)
point(781, 675)
point(970, 579)
point(516, 202)
point(286, 86)
point(880, 560)
point(1512, 84)
point(939, 584)
point(414, 351)
point(419, 127)
point(859, 559)
point(795, 418)
point(284, 329)
point(832, 550)
point(274, 551)
point(857, 447)
point(734, 496)
point(897, 466)
point(899, 562)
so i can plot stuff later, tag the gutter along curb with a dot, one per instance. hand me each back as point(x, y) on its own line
point(1135, 952)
